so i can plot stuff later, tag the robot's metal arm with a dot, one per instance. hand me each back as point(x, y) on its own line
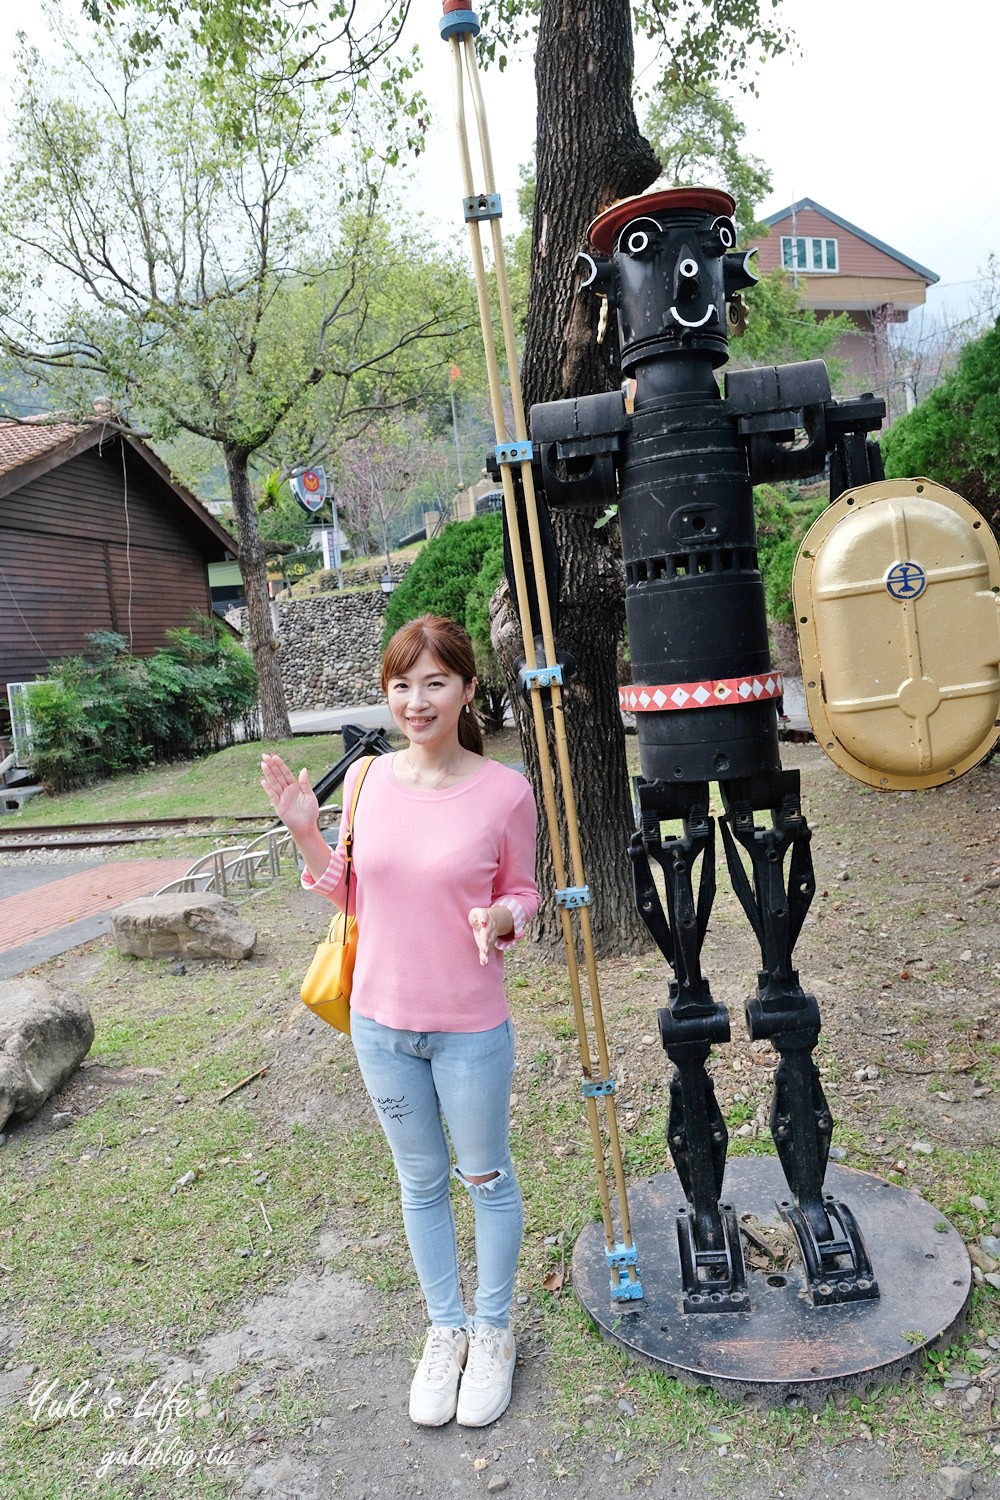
point(774, 404)
point(578, 442)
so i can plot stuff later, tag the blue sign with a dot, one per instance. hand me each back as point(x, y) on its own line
point(906, 580)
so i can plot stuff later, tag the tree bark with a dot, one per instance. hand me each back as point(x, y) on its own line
point(253, 570)
point(589, 153)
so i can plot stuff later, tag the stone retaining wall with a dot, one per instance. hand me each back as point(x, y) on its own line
point(329, 647)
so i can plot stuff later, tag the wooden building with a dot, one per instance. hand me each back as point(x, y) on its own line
point(838, 267)
point(94, 535)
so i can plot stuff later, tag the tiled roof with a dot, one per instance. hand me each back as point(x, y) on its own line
point(22, 442)
point(48, 442)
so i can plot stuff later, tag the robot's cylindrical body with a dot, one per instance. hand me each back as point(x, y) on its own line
point(702, 688)
point(694, 598)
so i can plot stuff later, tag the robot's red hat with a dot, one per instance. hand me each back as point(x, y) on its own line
point(603, 231)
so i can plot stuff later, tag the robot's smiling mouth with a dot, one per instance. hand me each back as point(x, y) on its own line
point(691, 322)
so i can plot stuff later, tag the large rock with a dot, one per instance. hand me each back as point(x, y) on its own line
point(182, 924)
point(45, 1034)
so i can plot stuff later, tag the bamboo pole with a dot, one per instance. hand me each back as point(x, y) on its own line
point(596, 1083)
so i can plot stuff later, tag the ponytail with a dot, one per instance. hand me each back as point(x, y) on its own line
point(470, 734)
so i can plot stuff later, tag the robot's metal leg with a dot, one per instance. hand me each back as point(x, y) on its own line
point(837, 1265)
point(711, 1258)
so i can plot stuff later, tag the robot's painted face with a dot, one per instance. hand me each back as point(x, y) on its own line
point(671, 284)
point(667, 262)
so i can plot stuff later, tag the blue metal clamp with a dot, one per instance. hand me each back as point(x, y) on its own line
point(541, 676)
point(623, 1289)
point(595, 1088)
point(515, 453)
point(482, 206)
point(573, 895)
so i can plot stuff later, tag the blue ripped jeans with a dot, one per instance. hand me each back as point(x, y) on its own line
point(422, 1083)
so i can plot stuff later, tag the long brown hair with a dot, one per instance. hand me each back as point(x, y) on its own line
point(451, 648)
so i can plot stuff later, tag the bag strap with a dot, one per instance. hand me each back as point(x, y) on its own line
point(349, 835)
point(349, 843)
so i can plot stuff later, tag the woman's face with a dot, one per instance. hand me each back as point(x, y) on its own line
point(427, 700)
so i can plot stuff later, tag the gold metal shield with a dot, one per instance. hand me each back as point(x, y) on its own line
point(897, 604)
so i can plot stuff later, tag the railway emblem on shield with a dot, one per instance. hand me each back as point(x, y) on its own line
point(906, 580)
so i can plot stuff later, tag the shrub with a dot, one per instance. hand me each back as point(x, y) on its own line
point(108, 711)
point(781, 524)
point(442, 576)
point(492, 683)
point(953, 436)
point(455, 575)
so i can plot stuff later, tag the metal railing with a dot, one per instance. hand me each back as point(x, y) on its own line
point(222, 870)
point(263, 858)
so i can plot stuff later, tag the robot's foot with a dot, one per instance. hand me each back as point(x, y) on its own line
point(837, 1269)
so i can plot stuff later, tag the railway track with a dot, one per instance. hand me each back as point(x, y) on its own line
point(120, 831)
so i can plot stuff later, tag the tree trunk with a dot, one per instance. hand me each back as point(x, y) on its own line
point(590, 152)
point(596, 744)
point(253, 570)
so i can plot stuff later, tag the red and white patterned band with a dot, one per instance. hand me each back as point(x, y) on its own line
point(719, 692)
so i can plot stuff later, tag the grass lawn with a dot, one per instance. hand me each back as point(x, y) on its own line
point(221, 784)
point(173, 1204)
point(225, 783)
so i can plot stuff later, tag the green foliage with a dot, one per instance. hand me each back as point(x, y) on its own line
point(107, 712)
point(203, 253)
point(455, 575)
point(781, 331)
point(284, 523)
point(492, 683)
point(443, 575)
point(703, 40)
point(932, 439)
point(699, 140)
point(954, 435)
point(782, 522)
point(352, 53)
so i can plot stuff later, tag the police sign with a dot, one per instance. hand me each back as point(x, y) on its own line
point(309, 487)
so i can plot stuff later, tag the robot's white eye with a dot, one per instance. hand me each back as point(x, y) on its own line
point(726, 230)
point(639, 238)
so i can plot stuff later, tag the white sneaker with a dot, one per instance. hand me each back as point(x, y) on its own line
point(489, 1373)
point(434, 1390)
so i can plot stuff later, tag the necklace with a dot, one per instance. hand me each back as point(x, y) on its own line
point(448, 771)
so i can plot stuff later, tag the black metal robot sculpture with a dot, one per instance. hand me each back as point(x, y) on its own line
point(917, 705)
point(681, 465)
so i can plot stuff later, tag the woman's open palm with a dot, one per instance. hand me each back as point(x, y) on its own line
point(292, 797)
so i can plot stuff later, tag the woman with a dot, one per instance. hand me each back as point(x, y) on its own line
point(444, 856)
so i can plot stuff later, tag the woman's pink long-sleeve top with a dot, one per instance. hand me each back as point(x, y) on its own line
point(422, 860)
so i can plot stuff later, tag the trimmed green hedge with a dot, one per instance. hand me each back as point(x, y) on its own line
point(455, 575)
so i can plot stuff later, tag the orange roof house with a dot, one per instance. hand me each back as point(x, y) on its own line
point(837, 268)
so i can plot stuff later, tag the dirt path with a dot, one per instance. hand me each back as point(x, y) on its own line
point(902, 949)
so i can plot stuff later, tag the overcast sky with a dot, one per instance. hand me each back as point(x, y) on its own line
point(885, 117)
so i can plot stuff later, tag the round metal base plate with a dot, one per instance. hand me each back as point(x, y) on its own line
point(784, 1351)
